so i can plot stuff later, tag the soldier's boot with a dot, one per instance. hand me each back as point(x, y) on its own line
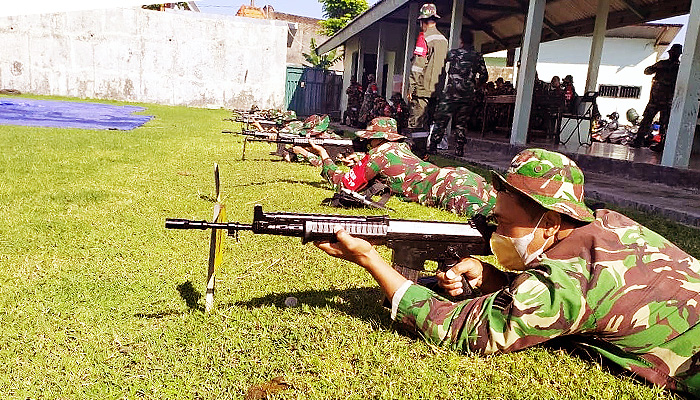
point(459, 151)
point(432, 149)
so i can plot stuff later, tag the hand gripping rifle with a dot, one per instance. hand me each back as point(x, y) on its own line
point(412, 242)
point(336, 146)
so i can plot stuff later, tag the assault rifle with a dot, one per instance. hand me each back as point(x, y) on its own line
point(412, 242)
point(335, 146)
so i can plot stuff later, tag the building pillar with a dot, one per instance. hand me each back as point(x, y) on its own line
point(360, 60)
point(456, 23)
point(411, 36)
point(601, 22)
point(379, 70)
point(526, 73)
point(684, 112)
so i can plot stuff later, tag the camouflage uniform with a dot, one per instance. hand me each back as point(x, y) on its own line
point(617, 287)
point(380, 108)
point(352, 112)
point(368, 103)
point(454, 189)
point(426, 70)
point(467, 70)
point(661, 97)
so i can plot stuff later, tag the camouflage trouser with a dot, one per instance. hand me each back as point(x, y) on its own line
point(460, 111)
point(458, 190)
point(419, 117)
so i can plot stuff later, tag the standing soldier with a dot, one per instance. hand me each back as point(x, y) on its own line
point(368, 101)
point(426, 70)
point(662, 89)
point(354, 92)
point(467, 72)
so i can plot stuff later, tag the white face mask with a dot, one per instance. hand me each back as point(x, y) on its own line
point(512, 253)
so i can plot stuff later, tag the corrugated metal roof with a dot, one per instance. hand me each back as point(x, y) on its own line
point(499, 23)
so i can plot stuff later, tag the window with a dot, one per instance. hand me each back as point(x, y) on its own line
point(625, 92)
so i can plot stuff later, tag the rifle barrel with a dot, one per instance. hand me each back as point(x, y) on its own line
point(179, 223)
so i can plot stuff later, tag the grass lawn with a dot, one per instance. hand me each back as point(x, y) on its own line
point(99, 300)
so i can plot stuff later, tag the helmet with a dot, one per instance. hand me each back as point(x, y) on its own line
point(632, 116)
point(381, 128)
point(614, 116)
point(428, 10)
point(551, 179)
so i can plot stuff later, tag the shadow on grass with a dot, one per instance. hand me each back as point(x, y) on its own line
point(190, 295)
point(317, 184)
point(364, 303)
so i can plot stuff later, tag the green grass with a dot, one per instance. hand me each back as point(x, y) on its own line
point(98, 300)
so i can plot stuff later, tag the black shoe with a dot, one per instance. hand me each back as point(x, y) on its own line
point(657, 147)
point(432, 149)
point(636, 143)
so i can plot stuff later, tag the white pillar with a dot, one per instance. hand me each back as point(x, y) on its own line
point(684, 112)
point(379, 70)
point(456, 23)
point(601, 22)
point(348, 48)
point(411, 36)
point(526, 73)
point(360, 60)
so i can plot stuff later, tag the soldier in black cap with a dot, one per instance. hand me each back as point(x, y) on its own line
point(662, 88)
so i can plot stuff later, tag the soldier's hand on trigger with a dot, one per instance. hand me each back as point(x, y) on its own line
point(350, 160)
point(451, 280)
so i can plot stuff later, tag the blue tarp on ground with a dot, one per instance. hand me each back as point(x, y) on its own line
point(69, 114)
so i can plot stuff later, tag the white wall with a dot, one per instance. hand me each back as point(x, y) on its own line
point(132, 54)
point(623, 63)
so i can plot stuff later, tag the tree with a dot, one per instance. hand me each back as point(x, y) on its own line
point(321, 61)
point(339, 13)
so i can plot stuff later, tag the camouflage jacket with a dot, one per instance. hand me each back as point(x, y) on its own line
point(426, 71)
point(467, 69)
point(354, 92)
point(455, 189)
point(620, 288)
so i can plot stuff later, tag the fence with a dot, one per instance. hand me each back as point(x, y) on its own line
point(313, 91)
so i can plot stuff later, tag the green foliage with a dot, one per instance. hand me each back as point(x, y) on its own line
point(99, 301)
point(323, 61)
point(339, 13)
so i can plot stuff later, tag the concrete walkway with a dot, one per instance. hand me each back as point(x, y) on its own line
point(669, 192)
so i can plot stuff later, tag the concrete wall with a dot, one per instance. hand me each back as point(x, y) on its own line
point(132, 54)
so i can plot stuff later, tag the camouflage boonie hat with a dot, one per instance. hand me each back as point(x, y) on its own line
point(294, 127)
point(551, 179)
point(315, 125)
point(381, 128)
point(428, 10)
point(288, 115)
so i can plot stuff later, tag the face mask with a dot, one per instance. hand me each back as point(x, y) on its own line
point(512, 253)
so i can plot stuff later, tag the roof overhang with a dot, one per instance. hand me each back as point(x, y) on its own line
point(364, 20)
point(500, 23)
